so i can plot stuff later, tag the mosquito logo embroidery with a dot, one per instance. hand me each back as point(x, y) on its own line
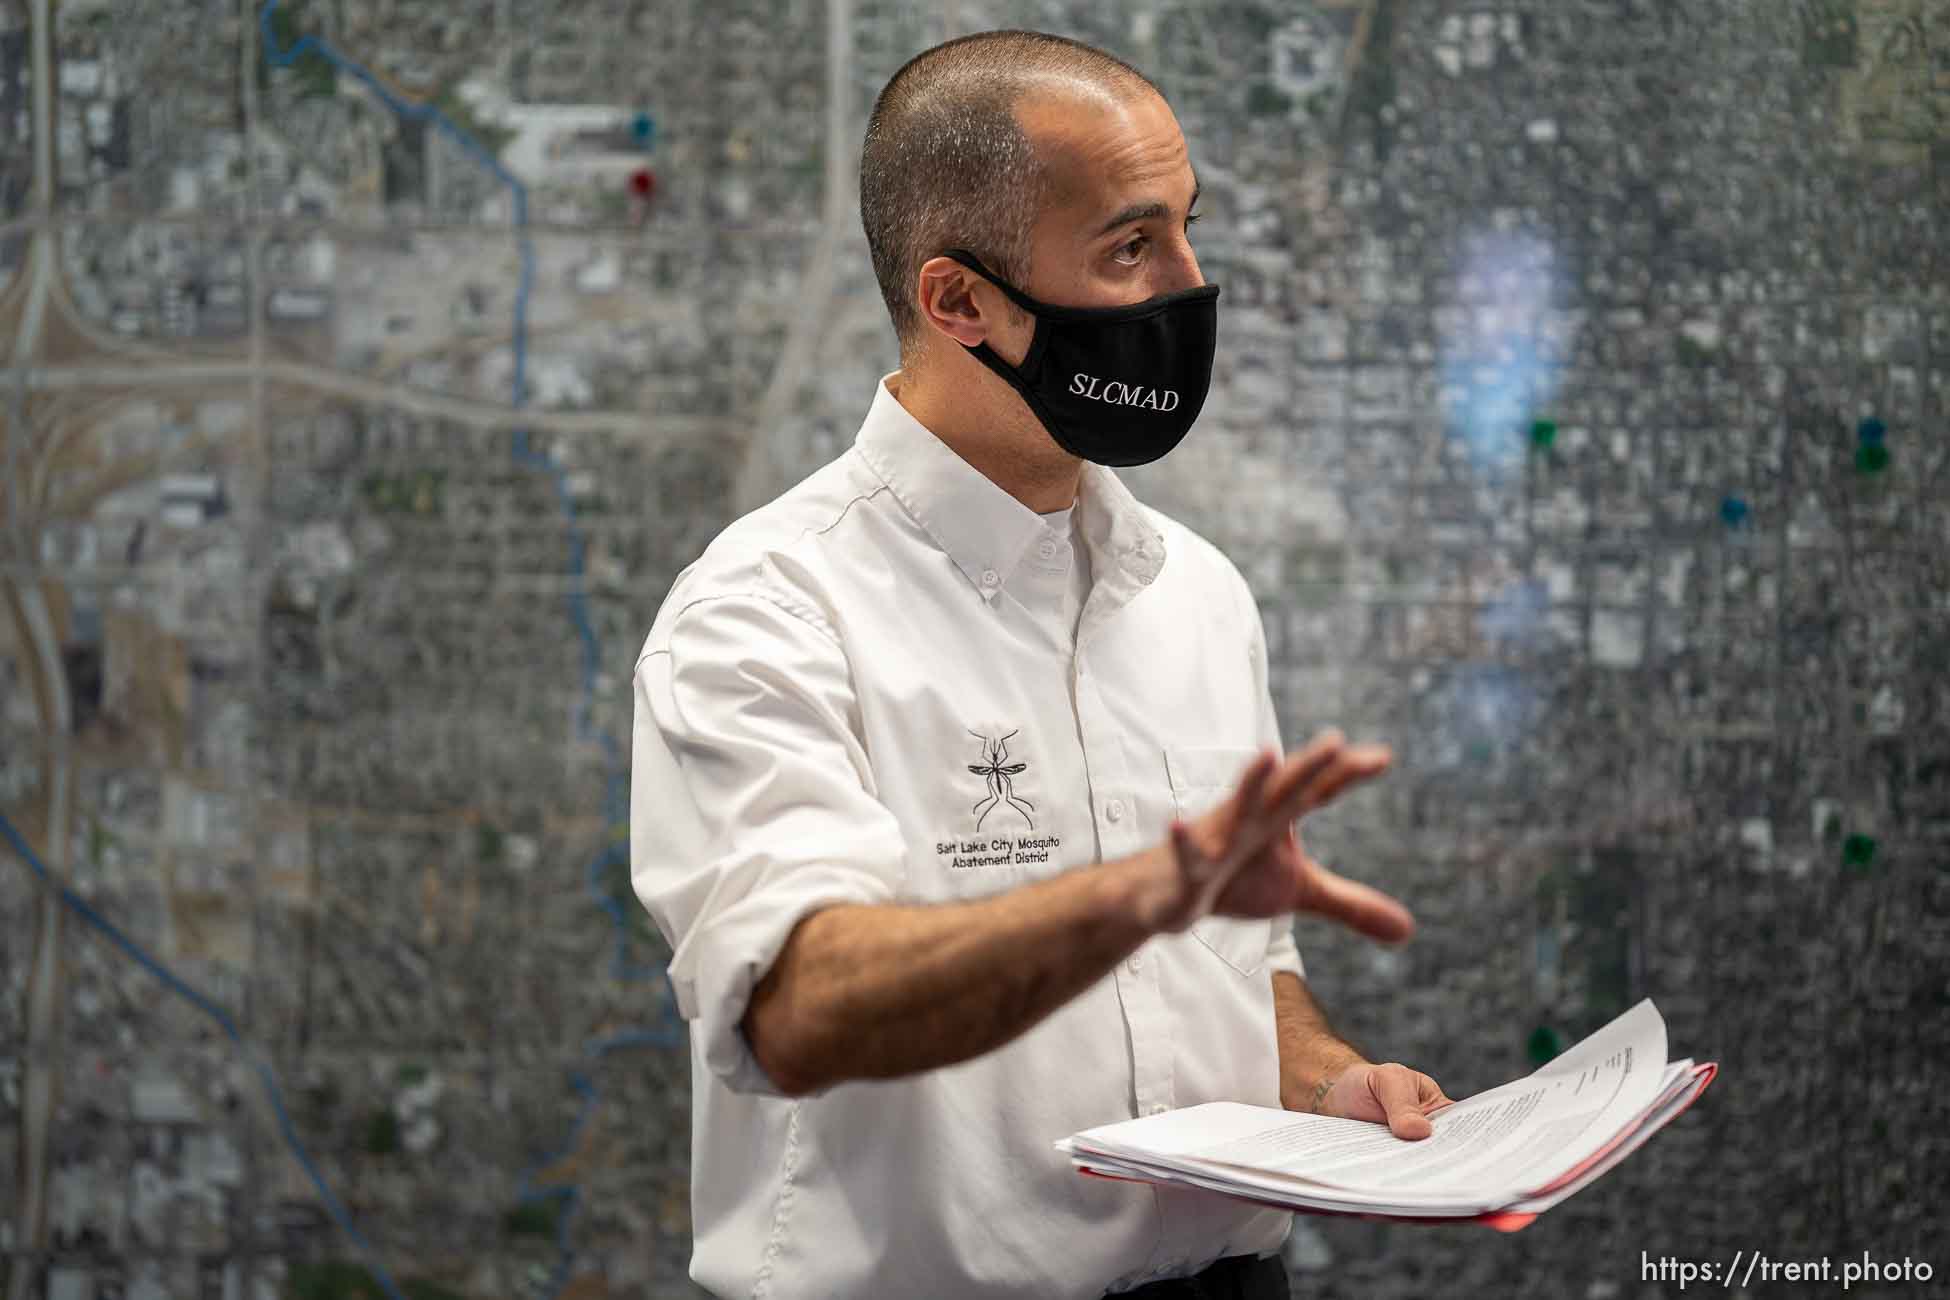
point(995, 753)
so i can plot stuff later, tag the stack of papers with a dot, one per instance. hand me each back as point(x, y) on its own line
point(1500, 1158)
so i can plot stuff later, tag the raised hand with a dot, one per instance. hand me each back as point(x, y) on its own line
point(1244, 858)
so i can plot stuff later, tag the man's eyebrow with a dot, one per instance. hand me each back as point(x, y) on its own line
point(1144, 212)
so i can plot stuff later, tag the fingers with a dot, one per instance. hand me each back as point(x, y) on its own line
point(1302, 768)
point(1350, 765)
point(1274, 793)
point(1269, 797)
point(1201, 875)
point(1238, 820)
point(1191, 859)
point(1431, 1094)
point(1318, 773)
point(1248, 799)
point(1394, 1087)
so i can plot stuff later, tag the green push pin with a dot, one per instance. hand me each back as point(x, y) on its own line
point(1543, 434)
point(382, 1133)
point(1544, 1044)
point(1858, 852)
point(534, 1218)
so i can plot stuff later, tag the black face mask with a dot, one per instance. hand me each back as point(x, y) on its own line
point(1114, 385)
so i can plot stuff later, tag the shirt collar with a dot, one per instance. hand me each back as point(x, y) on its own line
point(983, 529)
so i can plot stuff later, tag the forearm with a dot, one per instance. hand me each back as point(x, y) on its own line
point(1311, 1053)
point(876, 992)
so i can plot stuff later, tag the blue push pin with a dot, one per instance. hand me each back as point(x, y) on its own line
point(643, 129)
point(1871, 457)
point(1734, 511)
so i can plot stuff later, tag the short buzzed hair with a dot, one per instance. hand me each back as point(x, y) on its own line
point(946, 163)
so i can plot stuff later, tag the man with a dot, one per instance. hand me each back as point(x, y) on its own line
point(956, 786)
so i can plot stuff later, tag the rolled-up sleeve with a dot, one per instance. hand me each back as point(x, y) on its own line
point(750, 804)
point(1282, 953)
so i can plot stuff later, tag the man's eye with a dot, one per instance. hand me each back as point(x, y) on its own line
point(1137, 242)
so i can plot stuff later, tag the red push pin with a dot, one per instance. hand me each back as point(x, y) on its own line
point(643, 184)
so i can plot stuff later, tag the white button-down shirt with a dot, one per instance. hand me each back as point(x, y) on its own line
point(898, 684)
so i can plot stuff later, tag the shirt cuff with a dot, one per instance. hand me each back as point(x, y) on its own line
point(1283, 953)
point(736, 948)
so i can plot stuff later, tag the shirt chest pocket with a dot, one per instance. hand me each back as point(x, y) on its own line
point(1202, 776)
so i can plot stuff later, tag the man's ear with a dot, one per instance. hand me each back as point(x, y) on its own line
point(945, 295)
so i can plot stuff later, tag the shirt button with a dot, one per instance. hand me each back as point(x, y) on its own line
point(990, 577)
point(1114, 810)
point(1134, 963)
point(1159, 1108)
point(1046, 550)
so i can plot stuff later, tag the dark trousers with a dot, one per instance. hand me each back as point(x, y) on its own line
point(1236, 1277)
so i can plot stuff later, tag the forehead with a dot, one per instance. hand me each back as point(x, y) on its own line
point(1103, 152)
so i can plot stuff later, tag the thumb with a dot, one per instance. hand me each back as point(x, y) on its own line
point(1394, 1088)
point(1362, 908)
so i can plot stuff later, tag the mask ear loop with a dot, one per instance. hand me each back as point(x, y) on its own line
point(1031, 368)
point(974, 263)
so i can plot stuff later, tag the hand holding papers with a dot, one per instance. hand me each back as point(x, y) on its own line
point(1499, 1157)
